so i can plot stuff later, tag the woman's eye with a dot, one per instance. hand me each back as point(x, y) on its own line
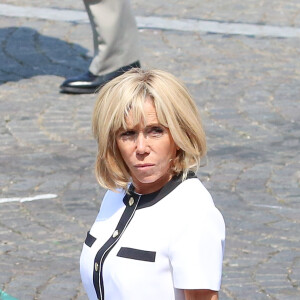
point(156, 131)
point(128, 134)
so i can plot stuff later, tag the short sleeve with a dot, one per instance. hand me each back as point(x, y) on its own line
point(196, 252)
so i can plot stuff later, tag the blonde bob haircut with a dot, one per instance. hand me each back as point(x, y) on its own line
point(175, 110)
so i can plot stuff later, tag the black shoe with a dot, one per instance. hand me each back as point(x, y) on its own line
point(89, 83)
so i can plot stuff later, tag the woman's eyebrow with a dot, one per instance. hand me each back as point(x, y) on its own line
point(153, 125)
point(136, 127)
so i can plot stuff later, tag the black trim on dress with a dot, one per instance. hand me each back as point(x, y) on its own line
point(131, 206)
point(148, 200)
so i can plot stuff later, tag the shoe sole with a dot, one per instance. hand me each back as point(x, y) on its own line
point(74, 90)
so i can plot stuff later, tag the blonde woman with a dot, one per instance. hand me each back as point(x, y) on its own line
point(158, 234)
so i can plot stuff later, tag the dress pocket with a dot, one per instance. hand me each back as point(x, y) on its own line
point(137, 254)
point(89, 241)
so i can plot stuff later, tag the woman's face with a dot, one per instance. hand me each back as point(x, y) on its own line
point(147, 149)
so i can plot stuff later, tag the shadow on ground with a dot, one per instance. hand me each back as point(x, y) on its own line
point(26, 53)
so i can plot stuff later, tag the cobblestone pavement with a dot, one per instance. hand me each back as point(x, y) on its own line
point(248, 91)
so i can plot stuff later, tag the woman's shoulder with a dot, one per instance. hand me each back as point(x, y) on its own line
point(193, 192)
point(112, 202)
point(192, 199)
point(195, 208)
point(113, 196)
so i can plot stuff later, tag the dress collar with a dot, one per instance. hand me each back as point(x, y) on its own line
point(147, 200)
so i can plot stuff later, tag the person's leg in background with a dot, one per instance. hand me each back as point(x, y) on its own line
point(115, 37)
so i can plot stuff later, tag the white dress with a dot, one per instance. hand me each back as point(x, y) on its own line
point(154, 246)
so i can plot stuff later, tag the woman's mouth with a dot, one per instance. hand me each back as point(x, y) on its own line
point(143, 166)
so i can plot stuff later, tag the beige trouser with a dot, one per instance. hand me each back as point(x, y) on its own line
point(115, 35)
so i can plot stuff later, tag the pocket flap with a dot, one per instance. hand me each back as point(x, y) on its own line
point(137, 254)
point(89, 241)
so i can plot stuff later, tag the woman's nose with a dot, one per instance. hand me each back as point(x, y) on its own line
point(141, 143)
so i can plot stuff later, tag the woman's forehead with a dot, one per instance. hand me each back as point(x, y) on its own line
point(142, 115)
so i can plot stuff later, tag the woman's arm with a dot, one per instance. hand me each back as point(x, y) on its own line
point(200, 295)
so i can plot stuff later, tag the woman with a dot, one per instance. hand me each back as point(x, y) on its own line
point(158, 234)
